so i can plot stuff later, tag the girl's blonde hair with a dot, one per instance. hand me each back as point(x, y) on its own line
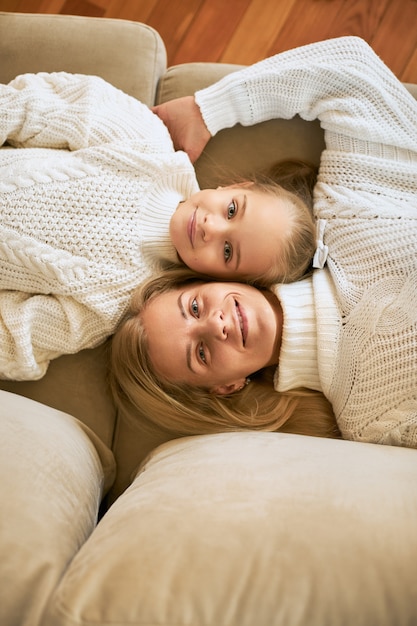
point(186, 410)
point(293, 181)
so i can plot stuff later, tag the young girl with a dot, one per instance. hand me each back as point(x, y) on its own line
point(351, 329)
point(96, 199)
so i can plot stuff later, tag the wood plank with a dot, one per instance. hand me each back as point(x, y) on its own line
point(130, 9)
point(82, 7)
point(174, 26)
point(51, 6)
point(306, 23)
point(27, 6)
point(210, 31)
point(244, 47)
point(9, 5)
point(409, 74)
point(395, 39)
point(358, 17)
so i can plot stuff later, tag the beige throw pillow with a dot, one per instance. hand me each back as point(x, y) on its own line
point(51, 484)
point(253, 529)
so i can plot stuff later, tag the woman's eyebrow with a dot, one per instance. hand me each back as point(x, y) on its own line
point(181, 306)
point(188, 348)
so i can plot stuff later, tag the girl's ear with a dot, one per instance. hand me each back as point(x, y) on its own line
point(225, 390)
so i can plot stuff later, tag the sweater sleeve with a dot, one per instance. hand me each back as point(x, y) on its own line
point(341, 82)
point(34, 329)
point(74, 111)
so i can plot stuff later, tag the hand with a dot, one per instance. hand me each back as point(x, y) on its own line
point(186, 126)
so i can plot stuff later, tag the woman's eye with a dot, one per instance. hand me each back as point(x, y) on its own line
point(228, 251)
point(194, 308)
point(202, 354)
point(231, 210)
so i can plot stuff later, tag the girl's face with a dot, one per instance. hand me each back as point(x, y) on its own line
point(212, 335)
point(230, 232)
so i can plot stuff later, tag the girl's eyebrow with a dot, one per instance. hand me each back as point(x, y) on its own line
point(188, 348)
point(242, 213)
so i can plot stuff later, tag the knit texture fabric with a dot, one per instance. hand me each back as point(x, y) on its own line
point(367, 196)
point(298, 364)
point(85, 210)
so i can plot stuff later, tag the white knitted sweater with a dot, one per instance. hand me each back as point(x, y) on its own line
point(366, 205)
point(85, 210)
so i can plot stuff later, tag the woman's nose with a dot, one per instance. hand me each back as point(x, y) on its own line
point(215, 326)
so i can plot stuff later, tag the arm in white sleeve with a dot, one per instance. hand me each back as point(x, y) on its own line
point(72, 111)
point(341, 82)
point(37, 328)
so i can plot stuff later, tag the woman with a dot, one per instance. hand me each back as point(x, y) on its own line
point(96, 200)
point(361, 311)
point(186, 346)
point(195, 357)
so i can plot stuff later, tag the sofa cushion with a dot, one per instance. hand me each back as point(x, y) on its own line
point(75, 384)
point(52, 478)
point(252, 529)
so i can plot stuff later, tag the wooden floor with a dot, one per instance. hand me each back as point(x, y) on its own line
point(245, 31)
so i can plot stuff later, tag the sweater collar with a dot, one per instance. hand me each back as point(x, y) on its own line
point(298, 362)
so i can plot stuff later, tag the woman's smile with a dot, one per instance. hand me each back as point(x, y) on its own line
point(242, 320)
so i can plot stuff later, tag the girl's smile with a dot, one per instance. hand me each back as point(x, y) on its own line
point(191, 227)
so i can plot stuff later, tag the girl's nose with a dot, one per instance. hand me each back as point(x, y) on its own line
point(213, 226)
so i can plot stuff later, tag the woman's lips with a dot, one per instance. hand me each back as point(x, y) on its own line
point(243, 321)
point(191, 226)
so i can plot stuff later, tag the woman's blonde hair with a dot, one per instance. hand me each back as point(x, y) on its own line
point(187, 410)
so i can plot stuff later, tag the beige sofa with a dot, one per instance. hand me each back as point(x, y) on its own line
point(244, 529)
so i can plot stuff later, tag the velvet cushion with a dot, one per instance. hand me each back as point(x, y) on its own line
point(252, 529)
point(52, 478)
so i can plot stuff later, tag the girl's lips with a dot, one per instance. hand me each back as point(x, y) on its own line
point(191, 227)
point(243, 321)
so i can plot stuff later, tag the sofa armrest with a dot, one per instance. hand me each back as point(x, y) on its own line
point(130, 55)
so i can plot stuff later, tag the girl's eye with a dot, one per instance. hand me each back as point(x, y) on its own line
point(231, 210)
point(194, 308)
point(202, 354)
point(228, 251)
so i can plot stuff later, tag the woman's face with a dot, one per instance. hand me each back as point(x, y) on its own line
point(230, 232)
point(212, 335)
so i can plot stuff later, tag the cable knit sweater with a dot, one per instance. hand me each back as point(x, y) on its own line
point(85, 210)
point(362, 350)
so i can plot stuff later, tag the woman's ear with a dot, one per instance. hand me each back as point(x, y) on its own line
point(225, 390)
